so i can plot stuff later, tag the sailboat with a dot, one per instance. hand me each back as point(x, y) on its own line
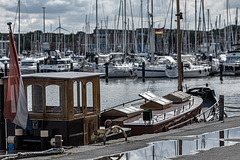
point(152, 113)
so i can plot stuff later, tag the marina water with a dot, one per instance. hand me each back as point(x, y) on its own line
point(122, 90)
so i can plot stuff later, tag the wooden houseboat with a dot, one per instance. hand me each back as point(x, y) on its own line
point(62, 103)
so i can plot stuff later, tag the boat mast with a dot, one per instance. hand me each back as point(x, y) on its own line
point(142, 25)
point(195, 26)
point(97, 25)
point(43, 23)
point(151, 34)
point(18, 27)
point(125, 27)
point(179, 48)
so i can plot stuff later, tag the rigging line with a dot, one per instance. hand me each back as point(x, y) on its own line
point(31, 27)
point(167, 15)
point(119, 12)
point(15, 18)
point(89, 14)
point(104, 18)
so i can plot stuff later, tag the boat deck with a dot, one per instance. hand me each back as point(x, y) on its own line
point(159, 116)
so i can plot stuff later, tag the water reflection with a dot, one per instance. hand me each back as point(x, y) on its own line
point(185, 146)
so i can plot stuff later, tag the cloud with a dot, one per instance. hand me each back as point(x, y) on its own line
point(73, 13)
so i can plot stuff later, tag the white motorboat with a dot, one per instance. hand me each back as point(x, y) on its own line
point(156, 69)
point(231, 66)
point(29, 65)
point(117, 67)
point(189, 70)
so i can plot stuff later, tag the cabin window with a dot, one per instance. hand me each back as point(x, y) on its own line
point(89, 90)
point(53, 99)
point(77, 94)
point(35, 98)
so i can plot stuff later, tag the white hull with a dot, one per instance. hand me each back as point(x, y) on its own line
point(231, 69)
point(188, 72)
point(152, 71)
point(117, 71)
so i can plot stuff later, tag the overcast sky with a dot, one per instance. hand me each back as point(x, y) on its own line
point(73, 13)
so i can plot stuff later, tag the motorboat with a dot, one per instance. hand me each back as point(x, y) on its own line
point(231, 67)
point(189, 70)
point(29, 65)
point(157, 69)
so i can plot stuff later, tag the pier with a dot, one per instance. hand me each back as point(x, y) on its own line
point(115, 147)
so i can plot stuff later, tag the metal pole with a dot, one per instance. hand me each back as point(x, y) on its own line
point(6, 133)
point(19, 27)
point(43, 23)
point(142, 25)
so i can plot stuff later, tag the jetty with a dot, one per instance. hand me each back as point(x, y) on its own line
point(114, 147)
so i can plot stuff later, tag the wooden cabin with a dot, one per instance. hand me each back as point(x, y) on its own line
point(63, 103)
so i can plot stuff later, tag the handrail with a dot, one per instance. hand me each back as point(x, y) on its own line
point(213, 106)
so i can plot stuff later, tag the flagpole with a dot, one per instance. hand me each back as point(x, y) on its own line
point(6, 131)
point(6, 135)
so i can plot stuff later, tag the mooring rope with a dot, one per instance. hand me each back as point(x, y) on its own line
point(232, 107)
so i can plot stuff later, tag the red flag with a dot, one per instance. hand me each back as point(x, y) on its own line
point(15, 107)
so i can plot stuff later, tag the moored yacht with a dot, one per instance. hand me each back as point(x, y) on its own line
point(29, 65)
point(232, 64)
point(157, 69)
point(189, 70)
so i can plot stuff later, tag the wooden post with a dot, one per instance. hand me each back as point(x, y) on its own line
point(221, 107)
point(221, 70)
point(71, 69)
point(106, 72)
point(143, 71)
point(5, 67)
point(38, 69)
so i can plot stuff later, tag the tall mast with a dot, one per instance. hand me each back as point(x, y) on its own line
point(19, 27)
point(219, 30)
point(43, 23)
point(97, 25)
point(142, 25)
point(195, 26)
point(179, 48)
point(125, 26)
point(151, 33)
point(236, 23)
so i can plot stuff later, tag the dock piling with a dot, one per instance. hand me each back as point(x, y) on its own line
point(143, 71)
point(221, 107)
point(38, 67)
point(221, 70)
point(106, 72)
point(5, 69)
